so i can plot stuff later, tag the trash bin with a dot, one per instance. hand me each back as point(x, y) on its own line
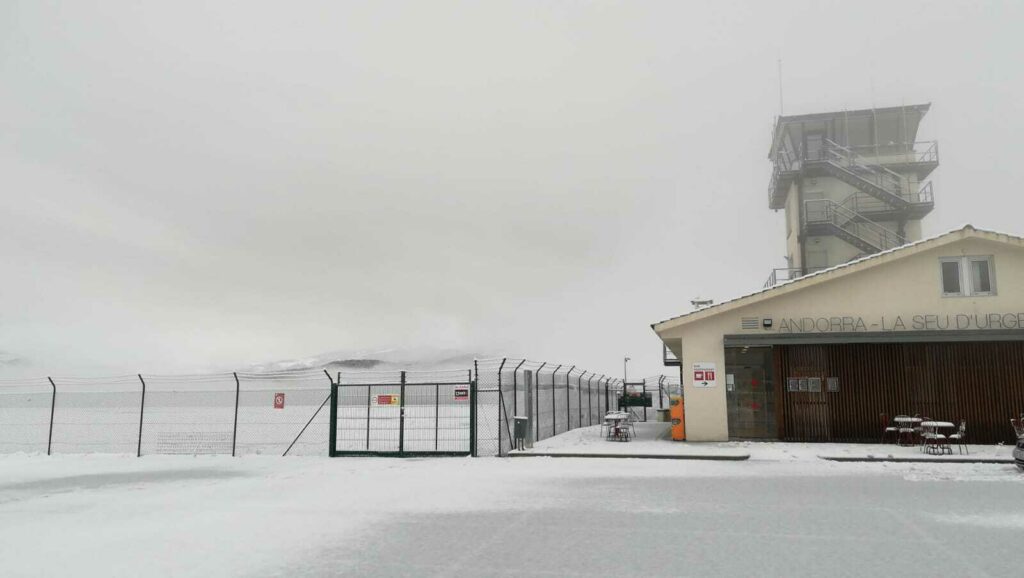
point(663, 415)
point(522, 426)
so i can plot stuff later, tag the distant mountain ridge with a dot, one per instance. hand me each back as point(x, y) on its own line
point(377, 360)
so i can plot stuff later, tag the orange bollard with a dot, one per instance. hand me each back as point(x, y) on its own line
point(678, 418)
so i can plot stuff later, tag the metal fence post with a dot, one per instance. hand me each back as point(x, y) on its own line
point(554, 408)
point(601, 397)
point(515, 389)
point(590, 402)
point(606, 408)
point(579, 399)
point(536, 392)
point(333, 448)
point(500, 424)
point(607, 383)
point(645, 401)
point(401, 416)
point(500, 398)
point(528, 400)
point(568, 404)
point(437, 415)
point(472, 412)
point(369, 393)
point(142, 412)
point(53, 406)
point(234, 428)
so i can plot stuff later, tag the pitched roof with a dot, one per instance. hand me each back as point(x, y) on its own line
point(966, 231)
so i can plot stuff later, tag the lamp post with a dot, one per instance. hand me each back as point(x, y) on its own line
point(622, 395)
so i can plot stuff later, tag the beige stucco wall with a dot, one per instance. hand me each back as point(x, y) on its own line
point(906, 287)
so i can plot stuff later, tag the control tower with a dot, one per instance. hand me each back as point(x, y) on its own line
point(852, 183)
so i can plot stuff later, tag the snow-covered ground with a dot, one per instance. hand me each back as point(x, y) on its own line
point(268, 516)
point(654, 439)
point(649, 439)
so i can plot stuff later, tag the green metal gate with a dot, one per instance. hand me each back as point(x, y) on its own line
point(403, 419)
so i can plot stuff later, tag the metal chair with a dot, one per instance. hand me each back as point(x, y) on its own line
point(608, 427)
point(630, 422)
point(1018, 426)
point(887, 429)
point(926, 437)
point(932, 441)
point(916, 426)
point(904, 428)
point(960, 437)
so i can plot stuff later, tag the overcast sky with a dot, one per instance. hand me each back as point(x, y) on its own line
point(195, 186)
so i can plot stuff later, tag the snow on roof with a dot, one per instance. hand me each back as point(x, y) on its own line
point(966, 228)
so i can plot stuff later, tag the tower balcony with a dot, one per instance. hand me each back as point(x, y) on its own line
point(866, 207)
point(921, 157)
point(882, 163)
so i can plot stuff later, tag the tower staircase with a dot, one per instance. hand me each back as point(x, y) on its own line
point(827, 217)
point(871, 178)
point(879, 192)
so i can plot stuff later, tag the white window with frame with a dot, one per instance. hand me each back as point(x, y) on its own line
point(972, 276)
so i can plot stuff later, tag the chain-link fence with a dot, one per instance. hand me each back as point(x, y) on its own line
point(228, 413)
point(565, 397)
point(288, 413)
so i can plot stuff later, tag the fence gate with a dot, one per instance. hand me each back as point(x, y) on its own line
point(403, 419)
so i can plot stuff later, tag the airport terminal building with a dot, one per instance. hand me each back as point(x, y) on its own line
point(867, 317)
point(934, 328)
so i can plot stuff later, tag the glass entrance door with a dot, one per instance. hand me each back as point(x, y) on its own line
point(750, 393)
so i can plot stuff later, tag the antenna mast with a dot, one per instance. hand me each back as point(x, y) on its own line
point(780, 87)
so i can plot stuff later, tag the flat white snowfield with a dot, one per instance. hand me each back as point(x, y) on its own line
point(270, 516)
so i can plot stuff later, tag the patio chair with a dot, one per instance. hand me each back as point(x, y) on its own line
point(916, 426)
point(960, 437)
point(1018, 427)
point(904, 429)
point(607, 427)
point(632, 422)
point(933, 442)
point(926, 437)
point(888, 429)
point(621, 432)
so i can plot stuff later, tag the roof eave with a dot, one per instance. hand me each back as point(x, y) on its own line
point(832, 273)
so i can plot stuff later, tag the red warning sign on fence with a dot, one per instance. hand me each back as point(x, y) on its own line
point(278, 401)
point(387, 400)
point(461, 393)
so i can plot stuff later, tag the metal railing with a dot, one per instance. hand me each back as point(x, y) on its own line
point(826, 211)
point(915, 152)
point(863, 203)
point(856, 159)
point(785, 274)
point(871, 172)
